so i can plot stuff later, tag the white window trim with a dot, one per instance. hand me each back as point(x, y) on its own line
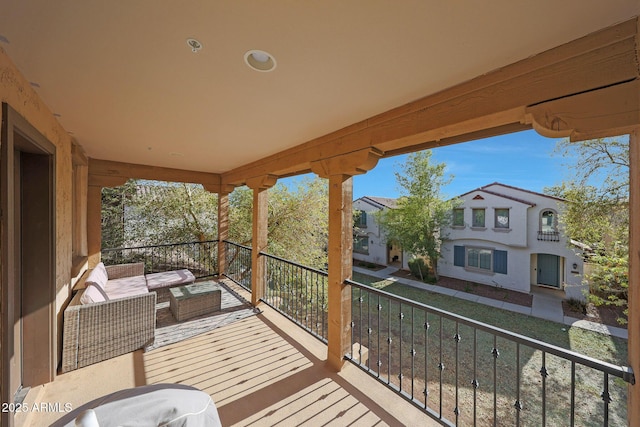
point(495, 221)
point(474, 227)
point(478, 269)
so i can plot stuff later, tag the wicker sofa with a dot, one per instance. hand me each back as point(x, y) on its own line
point(115, 313)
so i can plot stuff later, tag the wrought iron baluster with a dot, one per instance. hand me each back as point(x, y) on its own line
point(441, 363)
point(426, 359)
point(544, 373)
point(518, 403)
point(475, 383)
point(400, 339)
point(456, 338)
point(496, 354)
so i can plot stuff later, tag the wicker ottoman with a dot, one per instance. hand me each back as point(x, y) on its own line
point(194, 300)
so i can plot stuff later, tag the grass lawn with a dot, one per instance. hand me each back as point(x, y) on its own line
point(399, 348)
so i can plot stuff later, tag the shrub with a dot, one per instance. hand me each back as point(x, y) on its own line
point(419, 269)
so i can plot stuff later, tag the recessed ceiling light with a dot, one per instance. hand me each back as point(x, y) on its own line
point(195, 45)
point(260, 60)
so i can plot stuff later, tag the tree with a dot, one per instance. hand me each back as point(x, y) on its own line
point(114, 202)
point(297, 221)
point(153, 213)
point(422, 211)
point(598, 216)
point(162, 212)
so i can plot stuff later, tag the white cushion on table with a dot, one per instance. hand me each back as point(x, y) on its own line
point(169, 278)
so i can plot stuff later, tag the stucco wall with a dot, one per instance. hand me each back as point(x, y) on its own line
point(520, 241)
point(377, 244)
point(16, 91)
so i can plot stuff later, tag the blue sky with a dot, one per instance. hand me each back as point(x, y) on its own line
point(523, 159)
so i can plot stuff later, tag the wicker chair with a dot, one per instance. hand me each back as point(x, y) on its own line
point(99, 331)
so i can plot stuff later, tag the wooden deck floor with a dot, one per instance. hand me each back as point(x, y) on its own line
point(260, 371)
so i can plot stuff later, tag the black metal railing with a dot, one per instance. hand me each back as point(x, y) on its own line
point(464, 372)
point(201, 258)
point(299, 293)
point(238, 264)
point(549, 236)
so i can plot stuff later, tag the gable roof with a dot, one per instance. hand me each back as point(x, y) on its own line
point(380, 202)
point(485, 189)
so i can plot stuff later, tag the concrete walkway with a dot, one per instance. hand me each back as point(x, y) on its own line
point(546, 304)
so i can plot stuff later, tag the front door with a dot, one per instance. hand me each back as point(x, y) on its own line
point(549, 270)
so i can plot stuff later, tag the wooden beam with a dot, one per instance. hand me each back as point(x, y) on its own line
point(78, 155)
point(355, 163)
point(614, 110)
point(607, 57)
point(106, 168)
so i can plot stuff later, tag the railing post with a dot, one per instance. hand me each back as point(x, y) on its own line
point(634, 275)
point(339, 171)
point(259, 185)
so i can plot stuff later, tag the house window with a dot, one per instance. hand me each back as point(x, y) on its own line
point(361, 244)
point(360, 219)
point(477, 218)
point(458, 217)
point(502, 218)
point(548, 223)
point(480, 259)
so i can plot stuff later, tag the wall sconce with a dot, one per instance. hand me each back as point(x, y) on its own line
point(575, 266)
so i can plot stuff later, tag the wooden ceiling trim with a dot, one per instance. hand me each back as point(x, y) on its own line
point(110, 171)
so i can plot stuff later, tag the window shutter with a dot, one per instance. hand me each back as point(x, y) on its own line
point(500, 262)
point(458, 256)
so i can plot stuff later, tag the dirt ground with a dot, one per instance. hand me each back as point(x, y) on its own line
point(605, 315)
point(477, 289)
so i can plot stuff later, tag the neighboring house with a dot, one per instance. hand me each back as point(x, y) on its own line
point(509, 237)
point(369, 242)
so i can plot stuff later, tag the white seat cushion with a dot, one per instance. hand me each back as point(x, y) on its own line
point(95, 290)
point(126, 287)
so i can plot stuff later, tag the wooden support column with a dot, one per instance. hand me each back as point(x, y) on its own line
point(259, 185)
point(339, 170)
point(634, 277)
point(223, 230)
point(340, 268)
point(94, 224)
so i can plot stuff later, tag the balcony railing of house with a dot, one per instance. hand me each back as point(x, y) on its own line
point(299, 293)
point(549, 236)
point(201, 258)
point(463, 372)
point(238, 264)
point(458, 370)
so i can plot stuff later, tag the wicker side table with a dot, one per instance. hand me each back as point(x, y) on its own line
point(194, 300)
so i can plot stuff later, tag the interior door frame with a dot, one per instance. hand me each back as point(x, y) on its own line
point(19, 135)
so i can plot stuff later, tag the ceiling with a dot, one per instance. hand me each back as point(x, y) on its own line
point(124, 82)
